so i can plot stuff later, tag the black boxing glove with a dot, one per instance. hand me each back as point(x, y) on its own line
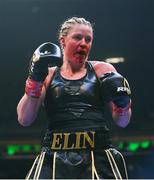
point(46, 55)
point(115, 88)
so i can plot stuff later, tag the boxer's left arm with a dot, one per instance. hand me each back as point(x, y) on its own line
point(115, 91)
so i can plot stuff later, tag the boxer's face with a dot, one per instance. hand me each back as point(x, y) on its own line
point(77, 43)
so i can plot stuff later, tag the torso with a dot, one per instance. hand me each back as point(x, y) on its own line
point(74, 98)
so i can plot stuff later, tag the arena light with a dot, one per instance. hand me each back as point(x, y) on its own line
point(12, 149)
point(126, 146)
point(115, 60)
point(133, 146)
point(145, 144)
point(121, 145)
point(25, 148)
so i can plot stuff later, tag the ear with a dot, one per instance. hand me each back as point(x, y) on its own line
point(62, 41)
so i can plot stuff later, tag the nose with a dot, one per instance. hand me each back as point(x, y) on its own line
point(83, 43)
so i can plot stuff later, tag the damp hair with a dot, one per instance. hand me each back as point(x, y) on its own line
point(67, 25)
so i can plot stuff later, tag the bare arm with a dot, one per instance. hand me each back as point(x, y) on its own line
point(121, 116)
point(27, 108)
point(38, 80)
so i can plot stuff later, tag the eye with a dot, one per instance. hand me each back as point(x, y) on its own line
point(77, 37)
point(88, 39)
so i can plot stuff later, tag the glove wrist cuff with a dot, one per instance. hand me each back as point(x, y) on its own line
point(120, 110)
point(33, 88)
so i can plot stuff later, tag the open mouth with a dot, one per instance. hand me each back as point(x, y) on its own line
point(82, 53)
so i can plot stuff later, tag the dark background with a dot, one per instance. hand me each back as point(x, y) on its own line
point(122, 28)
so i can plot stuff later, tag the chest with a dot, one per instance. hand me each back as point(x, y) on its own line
point(63, 90)
point(61, 87)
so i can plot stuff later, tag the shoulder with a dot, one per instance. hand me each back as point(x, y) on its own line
point(101, 67)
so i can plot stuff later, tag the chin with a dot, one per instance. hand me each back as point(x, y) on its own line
point(82, 60)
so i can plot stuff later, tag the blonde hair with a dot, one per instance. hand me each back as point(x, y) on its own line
point(67, 25)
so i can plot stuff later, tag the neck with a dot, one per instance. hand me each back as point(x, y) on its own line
point(73, 72)
point(73, 67)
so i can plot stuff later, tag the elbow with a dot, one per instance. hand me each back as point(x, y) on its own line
point(24, 120)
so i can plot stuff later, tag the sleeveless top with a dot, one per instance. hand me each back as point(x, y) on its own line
point(75, 104)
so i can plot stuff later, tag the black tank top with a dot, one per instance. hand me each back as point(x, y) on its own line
point(75, 104)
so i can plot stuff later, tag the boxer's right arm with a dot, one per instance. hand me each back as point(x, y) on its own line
point(48, 54)
point(27, 108)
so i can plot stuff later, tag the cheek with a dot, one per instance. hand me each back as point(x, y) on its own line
point(72, 44)
point(71, 47)
point(69, 50)
point(88, 47)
